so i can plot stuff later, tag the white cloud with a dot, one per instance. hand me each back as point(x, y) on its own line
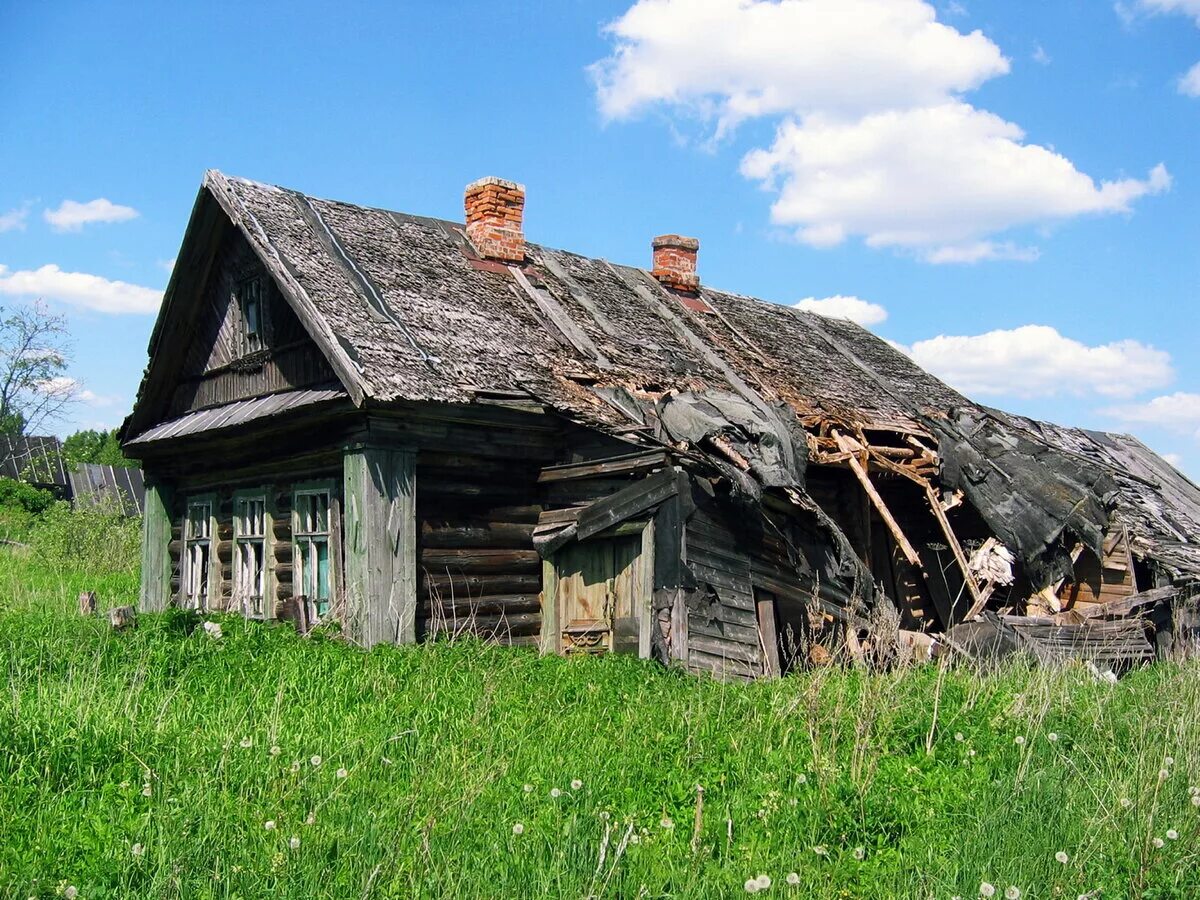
point(873, 138)
point(61, 387)
point(1040, 56)
point(167, 265)
point(841, 307)
point(1174, 459)
point(929, 179)
point(72, 215)
point(1177, 412)
point(1035, 360)
point(14, 219)
point(79, 289)
point(1189, 84)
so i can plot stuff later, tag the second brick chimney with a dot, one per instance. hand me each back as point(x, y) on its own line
point(495, 208)
point(675, 262)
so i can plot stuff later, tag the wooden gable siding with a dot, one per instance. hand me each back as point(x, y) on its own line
point(214, 369)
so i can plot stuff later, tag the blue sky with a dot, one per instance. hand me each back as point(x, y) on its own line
point(971, 169)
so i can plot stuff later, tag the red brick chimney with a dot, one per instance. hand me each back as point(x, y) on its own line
point(495, 208)
point(675, 262)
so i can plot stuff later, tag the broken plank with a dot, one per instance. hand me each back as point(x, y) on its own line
point(935, 504)
point(901, 539)
point(627, 503)
point(616, 465)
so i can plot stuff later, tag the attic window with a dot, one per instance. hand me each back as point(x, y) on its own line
point(252, 298)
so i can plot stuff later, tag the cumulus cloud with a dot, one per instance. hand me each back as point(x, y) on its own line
point(841, 307)
point(873, 139)
point(14, 219)
point(1189, 83)
point(1035, 360)
point(79, 289)
point(1177, 412)
point(72, 215)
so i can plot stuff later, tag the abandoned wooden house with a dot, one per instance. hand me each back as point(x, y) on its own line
point(414, 427)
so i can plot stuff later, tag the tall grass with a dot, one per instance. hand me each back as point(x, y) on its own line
point(404, 772)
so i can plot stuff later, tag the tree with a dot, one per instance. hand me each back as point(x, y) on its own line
point(90, 446)
point(34, 356)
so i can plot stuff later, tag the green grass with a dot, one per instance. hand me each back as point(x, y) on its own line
point(438, 743)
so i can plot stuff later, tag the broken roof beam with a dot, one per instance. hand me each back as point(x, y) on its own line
point(851, 447)
point(977, 597)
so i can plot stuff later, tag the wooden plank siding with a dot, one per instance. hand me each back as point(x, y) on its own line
point(156, 541)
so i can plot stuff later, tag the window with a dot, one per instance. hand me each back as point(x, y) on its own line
point(250, 552)
point(310, 531)
point(197, 535)
point(252, 298)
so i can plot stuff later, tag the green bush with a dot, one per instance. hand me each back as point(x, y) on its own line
point(92, 537)
point(24, 496)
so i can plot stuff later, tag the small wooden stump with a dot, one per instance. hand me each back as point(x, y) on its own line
point(87, 603)
point(121, 617)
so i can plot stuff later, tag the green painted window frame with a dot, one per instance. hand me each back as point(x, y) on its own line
point(305, 543)
point(189, 599)
point(265, 607)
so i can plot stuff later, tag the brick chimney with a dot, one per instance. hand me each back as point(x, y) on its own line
point(675, 262)
point(495, 208)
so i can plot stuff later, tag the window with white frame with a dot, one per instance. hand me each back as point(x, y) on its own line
point(310, 533)
point(250, 552)
point(197, 537)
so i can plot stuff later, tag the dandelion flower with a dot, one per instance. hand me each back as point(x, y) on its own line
point(635, 839)
point(971, 752)
point(342, 773)
point(528, 788)
point(1169, 761)
point(294, 842)
point(1163, 774)
point(604, 814)
point(764, 882)
point(1126, 803)
point(1172, 834)
point(269, 824)
point(751, 885)
point(859, 853)
point(316, 761)
point(802, 778)
point(518, 828)
point(1195, 799)
point(275, 751)
point(310, 819)
point(71, 892)
point(820, 850)
point(1062, 857)
point(1193, 791)
point(666, 823)
point(793, 878)
point(987, 890)
point(1012, 893)
point(958, 736)
point(1158, 843)
point(137, 850)
point(576, 784)
point(1052, 737)
point(1019, 740)
point(295, 765)
point(246, 743)
point(555, 793)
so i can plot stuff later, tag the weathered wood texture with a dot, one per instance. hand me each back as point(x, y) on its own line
point(156, 539)
point(380, 545)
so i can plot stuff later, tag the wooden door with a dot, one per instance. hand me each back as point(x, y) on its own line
point(601, 595)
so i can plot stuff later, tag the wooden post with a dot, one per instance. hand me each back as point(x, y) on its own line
point(156, 539)
point(87, 603)
point(122, 617)
point(380, 538)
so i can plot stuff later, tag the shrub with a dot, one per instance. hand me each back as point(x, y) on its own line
point(93, 537)
point(19, 495)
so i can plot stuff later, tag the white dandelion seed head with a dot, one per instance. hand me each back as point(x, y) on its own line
point(296, 765)
point(1052, 737)
point(604, 814)
point(518, 828)
point(310, 819)
point(294, 843)
point(1126, 803)
point(1012, 893)
point(528, 788)
point(1158, 843)
point(635, 838)
point(246, 743)
point(342, 773)
point(1169, 761)
point(137, 849)
point(666, 823)
point(1195, 799)
point(793, 878)
point(275, 750)
point(1172, 834)
point(1193, 791)
point(147, 790)
point(859, 853)
point(269, 824)
point(986, 889)
point(764, 882)
point(958, 736)
point(555, 793)
point(751, 885)
point(71, 892)
point(802, 779)
point(1019, 740)
point(576, 784)
point(1163, 774)
point(316, 761)
point(820, 850)
point(1062, 857)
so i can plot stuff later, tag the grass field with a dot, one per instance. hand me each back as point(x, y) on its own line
point(164, 762)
